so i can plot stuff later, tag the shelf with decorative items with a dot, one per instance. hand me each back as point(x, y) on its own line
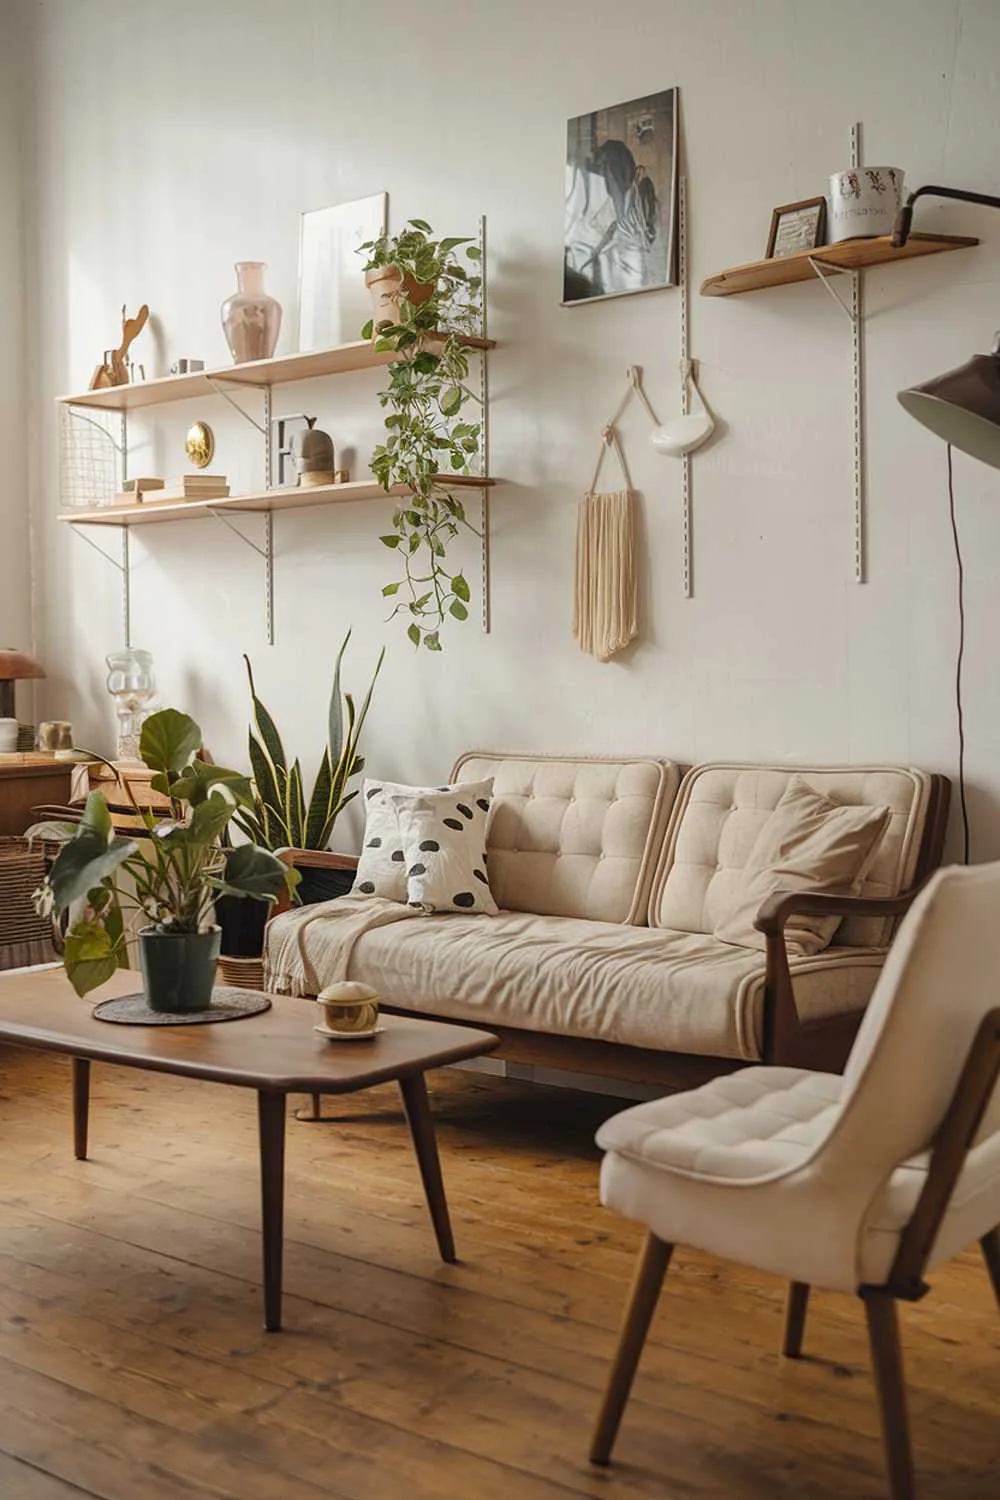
point(859, 196)
point(95, 413)
point(848, 255)
point(150, 512)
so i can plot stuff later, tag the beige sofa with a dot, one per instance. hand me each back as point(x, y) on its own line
point(609, 875)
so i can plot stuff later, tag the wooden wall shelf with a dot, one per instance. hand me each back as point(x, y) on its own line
point(849, 255)
point(153, 513)
point(258, 373)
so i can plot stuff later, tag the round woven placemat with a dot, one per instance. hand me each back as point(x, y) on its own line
point(227, 1005)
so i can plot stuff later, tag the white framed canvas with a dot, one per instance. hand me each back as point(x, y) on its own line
point(334, 303)
point(621, 200)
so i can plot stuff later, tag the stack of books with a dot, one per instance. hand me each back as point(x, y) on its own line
point(188, 487)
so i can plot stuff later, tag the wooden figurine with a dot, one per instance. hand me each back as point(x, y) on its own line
point(114, 369)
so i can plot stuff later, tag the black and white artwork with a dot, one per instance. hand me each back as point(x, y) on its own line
point(621, 200)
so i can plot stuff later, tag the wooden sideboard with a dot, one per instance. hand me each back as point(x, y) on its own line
point(27, 781)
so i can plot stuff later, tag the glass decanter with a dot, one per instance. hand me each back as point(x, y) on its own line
point(132, 685)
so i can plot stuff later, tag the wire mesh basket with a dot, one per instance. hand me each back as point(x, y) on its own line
point(90, 462)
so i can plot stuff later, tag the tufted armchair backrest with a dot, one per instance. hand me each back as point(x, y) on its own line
point(720, 809)
point(573, 838)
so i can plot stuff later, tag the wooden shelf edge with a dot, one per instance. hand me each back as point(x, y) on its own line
point(151, 512)
point(848, 255)
point(283, 369)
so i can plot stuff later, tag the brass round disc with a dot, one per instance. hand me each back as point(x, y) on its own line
point(199, 444)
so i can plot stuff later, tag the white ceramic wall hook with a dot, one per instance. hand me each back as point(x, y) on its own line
point(693, 427)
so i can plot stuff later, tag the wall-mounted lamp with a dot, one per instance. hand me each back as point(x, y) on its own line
point(961, 406)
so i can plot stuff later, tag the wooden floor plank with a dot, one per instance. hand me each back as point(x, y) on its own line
point(131, 1352)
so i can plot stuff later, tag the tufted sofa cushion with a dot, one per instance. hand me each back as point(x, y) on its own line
point(721, 808)
point(573, 838)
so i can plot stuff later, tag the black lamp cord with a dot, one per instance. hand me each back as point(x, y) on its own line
point(958, 664)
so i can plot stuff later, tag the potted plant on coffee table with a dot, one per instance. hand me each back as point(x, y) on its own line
point(427, 305)
point(173, 873)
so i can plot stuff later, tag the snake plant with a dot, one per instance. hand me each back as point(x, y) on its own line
point(279, 816)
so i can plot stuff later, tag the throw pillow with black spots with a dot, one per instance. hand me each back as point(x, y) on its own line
point(444, 835)
point(383, 864)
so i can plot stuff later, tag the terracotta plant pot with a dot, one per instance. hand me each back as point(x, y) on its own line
point(385, 284)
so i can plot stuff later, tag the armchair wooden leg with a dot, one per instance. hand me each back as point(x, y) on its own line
point(654, 1259)
point(795, 1319)
point(887, 1362)
point(990, 1246)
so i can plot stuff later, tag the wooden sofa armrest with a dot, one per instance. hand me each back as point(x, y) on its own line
point(310, 859)
point(786, 1039)
point(776, 910)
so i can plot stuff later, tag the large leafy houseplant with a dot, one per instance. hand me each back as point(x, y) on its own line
point(175, 868)
point(277, 815)
point(438, 301)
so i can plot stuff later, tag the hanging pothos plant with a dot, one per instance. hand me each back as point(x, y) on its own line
point(428, 299)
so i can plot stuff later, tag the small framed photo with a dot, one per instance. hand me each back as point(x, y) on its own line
point(797, 226)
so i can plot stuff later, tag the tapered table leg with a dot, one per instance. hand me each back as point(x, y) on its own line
point(81, 1105)
point(271, 1121)
point(795, 1319)
point(421, 1123)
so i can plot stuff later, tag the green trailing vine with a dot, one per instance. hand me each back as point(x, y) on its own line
point(427, 435)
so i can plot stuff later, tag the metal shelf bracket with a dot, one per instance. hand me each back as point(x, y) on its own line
point(825, 271)
point(124, 568)
point(266, 551)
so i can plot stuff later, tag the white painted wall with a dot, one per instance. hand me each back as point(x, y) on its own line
point(171, 140)
point(15, 622)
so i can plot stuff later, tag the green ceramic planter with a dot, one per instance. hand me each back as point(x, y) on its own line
point(178, 968)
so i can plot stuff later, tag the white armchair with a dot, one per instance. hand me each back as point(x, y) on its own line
point(855, 1184)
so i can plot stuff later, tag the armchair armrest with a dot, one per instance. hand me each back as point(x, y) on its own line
point(786, 1040)
point(777, 908)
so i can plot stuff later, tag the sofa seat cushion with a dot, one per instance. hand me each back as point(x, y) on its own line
point(667, 991)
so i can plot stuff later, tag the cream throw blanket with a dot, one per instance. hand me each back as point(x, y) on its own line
point(333, 928)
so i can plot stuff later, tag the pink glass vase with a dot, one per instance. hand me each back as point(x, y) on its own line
point(251, 318)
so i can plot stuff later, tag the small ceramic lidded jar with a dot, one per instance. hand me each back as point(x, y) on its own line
point(350, 1008)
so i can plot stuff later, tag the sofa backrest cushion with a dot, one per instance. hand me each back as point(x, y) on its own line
point(721, 808)
point(573, 838)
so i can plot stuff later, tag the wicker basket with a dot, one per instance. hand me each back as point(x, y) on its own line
point(25, 937)
point(242, 973)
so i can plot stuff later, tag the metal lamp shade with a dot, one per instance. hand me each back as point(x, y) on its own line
point(962, 407)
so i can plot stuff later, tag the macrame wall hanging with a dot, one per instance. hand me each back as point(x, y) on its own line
point(605, 609)
point(605, 602)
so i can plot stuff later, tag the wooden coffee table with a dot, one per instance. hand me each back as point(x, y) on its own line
point(276, 1053)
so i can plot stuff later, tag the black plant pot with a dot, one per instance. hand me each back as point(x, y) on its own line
point(242, 920)
point(178, 968)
